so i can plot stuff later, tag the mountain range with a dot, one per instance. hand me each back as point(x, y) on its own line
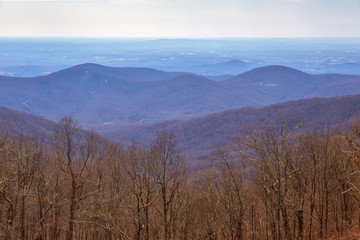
point(24, 124)
point(198, 137)
point(98, 95)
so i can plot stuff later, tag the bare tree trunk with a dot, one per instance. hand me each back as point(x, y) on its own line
point(70, 231)
point(22, 216)
point(300, 217)
point(287, 229)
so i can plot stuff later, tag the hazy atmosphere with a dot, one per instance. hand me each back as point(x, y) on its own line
point(180, 119)
point(180, 18)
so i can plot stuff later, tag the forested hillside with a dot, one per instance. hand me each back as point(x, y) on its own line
point(271, 183)
point(21, 123)
point(198, 137)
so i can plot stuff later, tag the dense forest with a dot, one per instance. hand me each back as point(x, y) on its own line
point(270, 183)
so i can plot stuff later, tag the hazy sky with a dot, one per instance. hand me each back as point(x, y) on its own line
point(181, 18)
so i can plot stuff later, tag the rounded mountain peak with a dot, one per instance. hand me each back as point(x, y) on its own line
point(273, 72)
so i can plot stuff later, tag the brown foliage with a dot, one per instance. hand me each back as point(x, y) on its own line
point(271, 183)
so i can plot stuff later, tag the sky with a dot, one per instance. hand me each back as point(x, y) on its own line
point(180, 18)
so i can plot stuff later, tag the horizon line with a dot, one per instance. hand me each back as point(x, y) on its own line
point(177, 38)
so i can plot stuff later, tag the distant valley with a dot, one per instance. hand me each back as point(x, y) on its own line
point(97, 95)
point(198, 137)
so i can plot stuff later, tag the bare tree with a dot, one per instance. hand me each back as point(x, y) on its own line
point(271, 153)
point(107, 205)
point(21, 161)
point(137, 168)
point(231, 192)
point(74, 149)
point(169, 171)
